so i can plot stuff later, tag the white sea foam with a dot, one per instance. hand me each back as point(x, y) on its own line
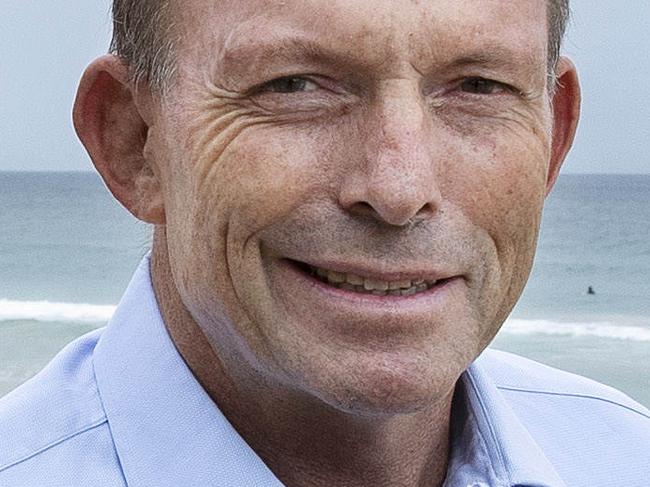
point(601, 329)
point(56, 312)
point(93, 313)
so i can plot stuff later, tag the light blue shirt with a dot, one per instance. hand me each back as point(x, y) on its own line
point(119, 407)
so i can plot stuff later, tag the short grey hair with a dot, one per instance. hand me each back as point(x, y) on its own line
point(142, 37)
point(558, 19)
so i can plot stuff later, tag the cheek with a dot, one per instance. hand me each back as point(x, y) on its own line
point(499, 185)
point(247, 177)
point(260, 178)
point(499, 178)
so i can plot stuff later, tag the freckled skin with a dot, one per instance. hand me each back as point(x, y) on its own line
point(278, 175)
point(387, 160)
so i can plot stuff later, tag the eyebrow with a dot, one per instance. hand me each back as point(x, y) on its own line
point(288, 49)
point(497, 57)
point(299, 49)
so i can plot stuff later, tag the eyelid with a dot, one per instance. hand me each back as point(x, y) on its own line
point(507, 88)
point(260, 87)
point(265, 87)
point(501, 84)
point(323, 82)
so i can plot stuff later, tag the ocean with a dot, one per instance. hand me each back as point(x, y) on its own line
point(67, 252)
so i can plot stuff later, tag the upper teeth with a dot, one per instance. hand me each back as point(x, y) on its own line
point(354, 282)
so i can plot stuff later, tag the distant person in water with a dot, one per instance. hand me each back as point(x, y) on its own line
point(346, 199)
point(591, 290)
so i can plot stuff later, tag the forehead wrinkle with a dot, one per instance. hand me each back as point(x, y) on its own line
point(302, 50)
point(256, 45)
point(267, 37)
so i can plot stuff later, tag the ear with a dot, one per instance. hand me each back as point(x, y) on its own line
point(566, 113)
point(114, 132)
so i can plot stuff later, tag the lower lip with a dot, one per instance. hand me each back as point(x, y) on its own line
point(437, 293)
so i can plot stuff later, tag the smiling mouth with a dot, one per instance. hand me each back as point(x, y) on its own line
point(364, 285)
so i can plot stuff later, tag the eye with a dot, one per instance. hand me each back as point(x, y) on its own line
point(482, 86)
point(289, 84)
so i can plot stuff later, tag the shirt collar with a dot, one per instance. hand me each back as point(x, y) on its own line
point(166, 429)
point(490, 445)
point(168, 432)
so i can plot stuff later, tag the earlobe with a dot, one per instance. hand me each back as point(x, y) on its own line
point(114, 133)
point(566, 114)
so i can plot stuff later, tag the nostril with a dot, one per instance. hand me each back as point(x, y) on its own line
point(366, 210)
point(363, 208)
point(426, 211)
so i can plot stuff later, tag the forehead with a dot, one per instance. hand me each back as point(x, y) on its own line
point(374, 29)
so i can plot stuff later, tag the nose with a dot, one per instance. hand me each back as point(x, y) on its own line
point(396, 182)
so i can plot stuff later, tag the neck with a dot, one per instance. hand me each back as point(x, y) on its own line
point(303, 440)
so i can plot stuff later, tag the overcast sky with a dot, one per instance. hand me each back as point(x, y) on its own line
point(44, 46)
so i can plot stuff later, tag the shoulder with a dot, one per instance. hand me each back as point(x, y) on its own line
point(55, 423)
point(586, 429)
point(518, 375)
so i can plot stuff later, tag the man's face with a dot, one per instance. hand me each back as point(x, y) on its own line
point(401, 146)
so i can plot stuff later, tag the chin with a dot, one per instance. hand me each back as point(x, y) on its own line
point(387, 401)
point(389, 389)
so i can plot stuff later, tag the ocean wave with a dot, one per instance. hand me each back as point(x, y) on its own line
point(93, 313)
point(577, 329)
point(54, 312)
